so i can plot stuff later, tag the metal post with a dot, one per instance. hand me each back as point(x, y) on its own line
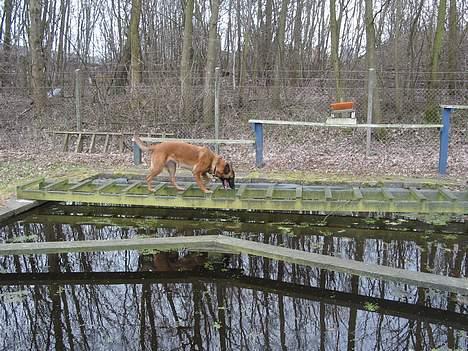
point(216, 108)
point(258, 127)
point(370, 106)
point(136, 154)
point(78, 99)
point(444, 139)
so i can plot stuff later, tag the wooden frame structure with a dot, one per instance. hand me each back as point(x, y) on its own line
point(226, 244)
point(105, 189)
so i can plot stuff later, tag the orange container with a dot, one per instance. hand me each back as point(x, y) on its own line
point(347, 105)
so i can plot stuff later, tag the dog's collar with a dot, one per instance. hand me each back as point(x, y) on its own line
point(213, 165)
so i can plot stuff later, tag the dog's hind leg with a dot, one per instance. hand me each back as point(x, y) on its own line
point(171, 167)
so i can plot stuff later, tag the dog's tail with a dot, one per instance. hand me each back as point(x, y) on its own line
point(140, 143)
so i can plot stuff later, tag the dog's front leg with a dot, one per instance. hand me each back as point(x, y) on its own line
point(198, 179)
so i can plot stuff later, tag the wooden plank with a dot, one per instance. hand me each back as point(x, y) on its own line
point(65, 142)
point(93, 143)
point(417, 194)
point(233, 245)
point(328, 193)
point(159, 187)
point(80, 184)
point(427, 280)
point(130, 187)
point(357, 194)
point(121, 143)
point(387, 194)
point(79, 143)
point(51, 186)
point(319, 124)
point(106, 143)
point(104, 186)
point(189, 188)
point(269, 192)
point(31, 183)
point(168, 243)
point(241, 190)
point(448, 195)
point(239, 203)
point(199, 141)
point(299, 189)
point(455, 107)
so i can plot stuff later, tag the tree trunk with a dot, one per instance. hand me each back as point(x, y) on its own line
point(335, 57)
point(432, 110)
point(297, 44)
point(37, 59)
point(185, 65)
point(279, 54)
point(8, 7)
point(452, 44)
point(396, 58)
point(60, 64)
point(371, 61)
point(208, 96)
point(135, 46)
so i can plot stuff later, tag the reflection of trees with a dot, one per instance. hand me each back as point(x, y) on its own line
point(201, 314)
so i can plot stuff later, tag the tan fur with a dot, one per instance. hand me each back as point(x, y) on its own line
point(172, 154)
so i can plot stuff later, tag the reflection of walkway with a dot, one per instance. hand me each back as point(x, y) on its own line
point(225, 244)
point(233, 279)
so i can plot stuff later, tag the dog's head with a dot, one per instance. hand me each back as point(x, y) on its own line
point(225, 173)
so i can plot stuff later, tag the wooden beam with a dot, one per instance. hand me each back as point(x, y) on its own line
point(427, 280)
point(220, 243)
point(79, 143)
point(318, 124)
point(93, 143)
point(199, 141)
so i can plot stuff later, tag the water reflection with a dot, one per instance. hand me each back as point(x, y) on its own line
point(202, 301)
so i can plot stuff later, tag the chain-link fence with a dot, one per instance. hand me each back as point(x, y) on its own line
point(108, 104)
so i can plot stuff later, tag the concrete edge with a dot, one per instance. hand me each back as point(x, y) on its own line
point(14, 207)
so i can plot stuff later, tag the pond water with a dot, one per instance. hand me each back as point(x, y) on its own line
point(132, 300)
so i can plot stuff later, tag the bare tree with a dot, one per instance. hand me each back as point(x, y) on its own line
point(371, 59)
point(186, 64)
point(453, 43)
point(37, 57)
point(135, 46)
point(280, 47)
point(432, 110)
point(208, 96)
point(335, 26)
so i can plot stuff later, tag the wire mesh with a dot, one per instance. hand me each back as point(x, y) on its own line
point(156, 105)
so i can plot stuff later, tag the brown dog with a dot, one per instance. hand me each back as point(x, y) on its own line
point(200, 160)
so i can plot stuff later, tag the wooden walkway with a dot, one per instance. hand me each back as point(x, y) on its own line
point(104, 189)
point(225, 244)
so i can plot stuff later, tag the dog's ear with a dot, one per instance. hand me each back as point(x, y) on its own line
point(227, 168)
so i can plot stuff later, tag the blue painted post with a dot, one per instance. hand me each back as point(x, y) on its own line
point(258, 127)
point(136, 154)
point(444, 139)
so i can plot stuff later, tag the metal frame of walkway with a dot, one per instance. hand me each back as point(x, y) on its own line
point(106, 189)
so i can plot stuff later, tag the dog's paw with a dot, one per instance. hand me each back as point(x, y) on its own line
point(208, 191)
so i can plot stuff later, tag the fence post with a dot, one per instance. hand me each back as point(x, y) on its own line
point(136, 154)
point(216, 108)
point(370, 106)
point(78, 99)
point(444, 139)
point(258, 127)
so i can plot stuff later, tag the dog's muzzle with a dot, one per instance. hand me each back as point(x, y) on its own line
point(228, 183)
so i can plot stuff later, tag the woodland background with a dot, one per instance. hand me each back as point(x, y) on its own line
point(149, 66)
